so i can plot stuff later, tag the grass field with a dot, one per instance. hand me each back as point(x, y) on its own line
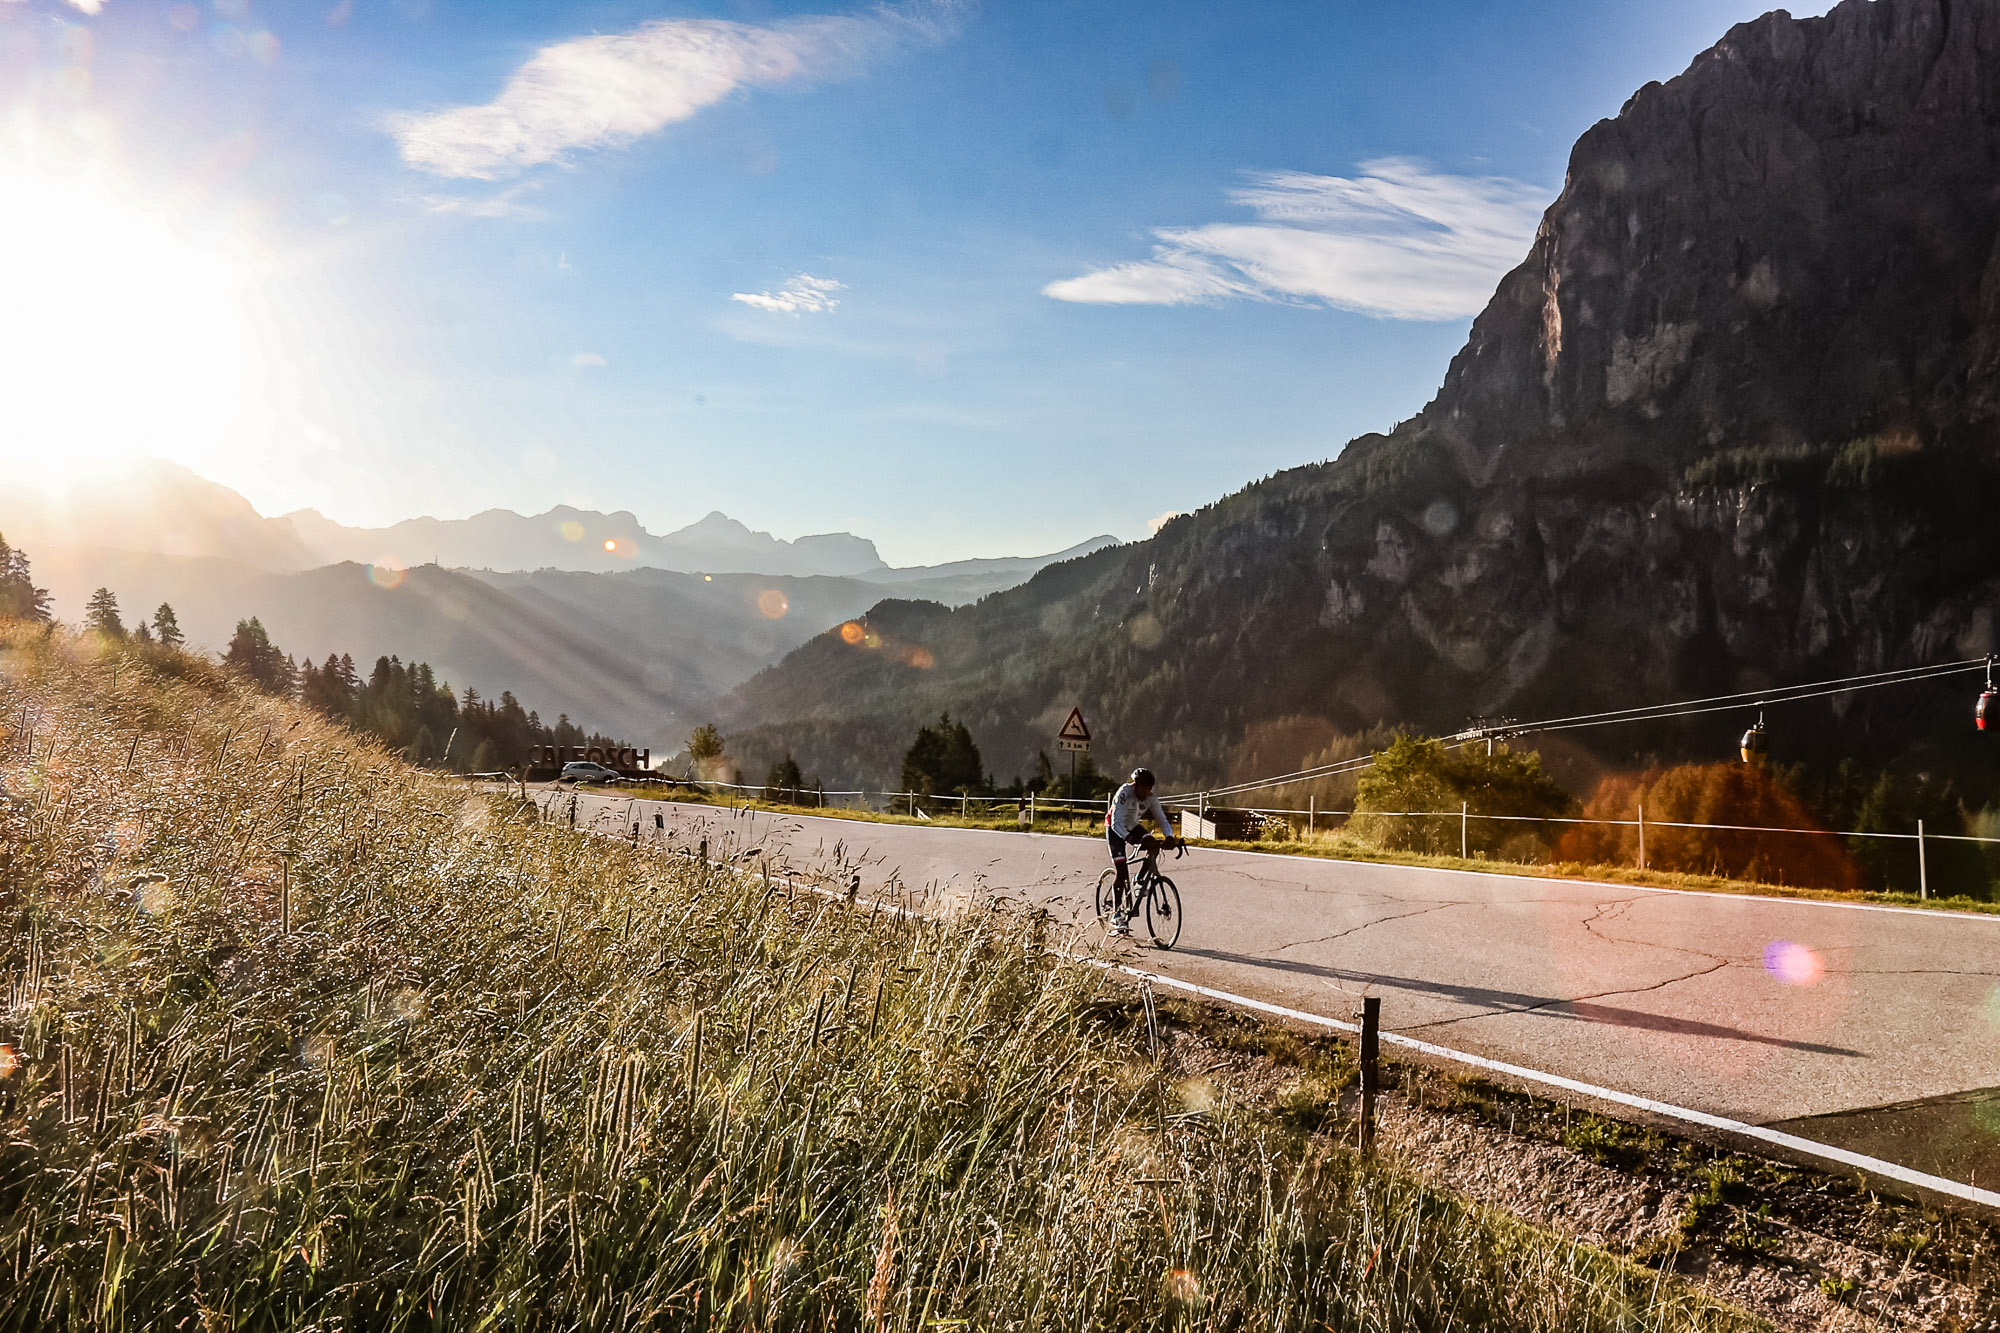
point(297, 1037)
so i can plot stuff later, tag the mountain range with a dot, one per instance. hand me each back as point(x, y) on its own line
point(1733, 422)
point(165, 509)
point(632, 649)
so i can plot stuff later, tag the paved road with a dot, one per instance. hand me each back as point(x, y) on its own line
point(1762, 1010)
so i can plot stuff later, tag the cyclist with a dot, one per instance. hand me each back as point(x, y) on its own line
point(1132, 803)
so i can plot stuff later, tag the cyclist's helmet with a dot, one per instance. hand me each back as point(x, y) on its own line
point(1142, 777)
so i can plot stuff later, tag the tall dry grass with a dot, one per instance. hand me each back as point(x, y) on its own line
point(297, 1037)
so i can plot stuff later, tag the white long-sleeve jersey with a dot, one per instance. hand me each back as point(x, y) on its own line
point(1123, 815)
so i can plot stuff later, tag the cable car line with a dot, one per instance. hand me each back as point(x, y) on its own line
point(1769, 695)
point(1987, 716)
point(1791, 694)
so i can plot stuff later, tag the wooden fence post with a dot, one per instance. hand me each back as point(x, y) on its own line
point(1371, 1023)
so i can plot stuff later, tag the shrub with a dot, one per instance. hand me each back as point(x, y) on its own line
point(1416, 776)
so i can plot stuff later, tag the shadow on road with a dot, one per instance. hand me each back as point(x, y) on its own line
point(1500, 1003)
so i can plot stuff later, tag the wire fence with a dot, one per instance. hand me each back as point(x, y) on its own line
point(1201, 820)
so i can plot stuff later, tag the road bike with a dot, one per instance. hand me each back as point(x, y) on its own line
point(1152, 894)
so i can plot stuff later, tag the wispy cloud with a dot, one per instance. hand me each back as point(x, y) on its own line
point(88, 6)
point(600, 91)
point(584, 359)
point(1398, 240)
point(504, 204)
point(803, 295)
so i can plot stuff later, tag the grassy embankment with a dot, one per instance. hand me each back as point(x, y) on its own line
point(1334, 846)
point(298, 1037)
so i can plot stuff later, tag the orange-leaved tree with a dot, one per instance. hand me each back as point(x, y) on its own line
point(1747, 800)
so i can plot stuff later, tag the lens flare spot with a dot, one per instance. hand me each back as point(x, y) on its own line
point(571, 530)
point(771, 604)
point(1183, 1286)
point(708, 578)
point(871, 639)
point(313, 1051)
point(920, 658)
point(10, 1062)
point(151, 894)
point(388, 572)
point(128, 835)
point(1793, 964)
point(264, 48)
point(852, 633)
point(611, 544)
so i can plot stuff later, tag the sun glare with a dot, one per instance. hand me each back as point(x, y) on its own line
point(117, 337)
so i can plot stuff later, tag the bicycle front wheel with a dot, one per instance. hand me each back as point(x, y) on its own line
point(1107, 895)
point(1163, 913)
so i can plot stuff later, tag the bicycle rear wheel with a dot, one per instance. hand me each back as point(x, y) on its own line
point(1163, 913)
point(1107, 892)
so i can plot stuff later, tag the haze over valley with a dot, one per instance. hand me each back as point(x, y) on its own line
point(576, 612)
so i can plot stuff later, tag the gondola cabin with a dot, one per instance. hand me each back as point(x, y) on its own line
point(1756, 745)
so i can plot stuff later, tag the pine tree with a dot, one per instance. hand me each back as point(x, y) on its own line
point(100, 615)
point(944, 760)
point(144, 634)
point(252, 652)
point(20, 599)
point(784, 781)
point(167, 627)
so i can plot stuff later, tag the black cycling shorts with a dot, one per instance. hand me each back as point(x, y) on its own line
point(1142, 841)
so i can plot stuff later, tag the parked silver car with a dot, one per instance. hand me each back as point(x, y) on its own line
point(583, 771)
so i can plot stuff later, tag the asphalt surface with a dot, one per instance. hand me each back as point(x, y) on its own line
point(1760, 1009)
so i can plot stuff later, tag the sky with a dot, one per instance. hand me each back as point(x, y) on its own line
point(968, 279)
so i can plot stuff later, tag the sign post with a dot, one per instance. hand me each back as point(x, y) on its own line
point(1074, 737)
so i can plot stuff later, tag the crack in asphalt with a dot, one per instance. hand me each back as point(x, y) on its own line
point(1376, 921)
point(1716, 963)
point(1574, 999)
point(1909, 972)
point(1607, 908)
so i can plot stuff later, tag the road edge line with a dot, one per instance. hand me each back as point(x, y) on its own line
point(1777, 1138)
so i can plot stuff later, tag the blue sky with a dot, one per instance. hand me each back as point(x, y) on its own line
point(968, 279)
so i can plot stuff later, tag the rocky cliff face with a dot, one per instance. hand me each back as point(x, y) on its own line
point(1793, 243)
point(1734, 422)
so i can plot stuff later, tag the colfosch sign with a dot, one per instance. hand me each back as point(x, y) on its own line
point(555, 756)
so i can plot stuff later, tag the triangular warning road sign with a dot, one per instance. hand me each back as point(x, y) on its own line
point(1076, 729)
